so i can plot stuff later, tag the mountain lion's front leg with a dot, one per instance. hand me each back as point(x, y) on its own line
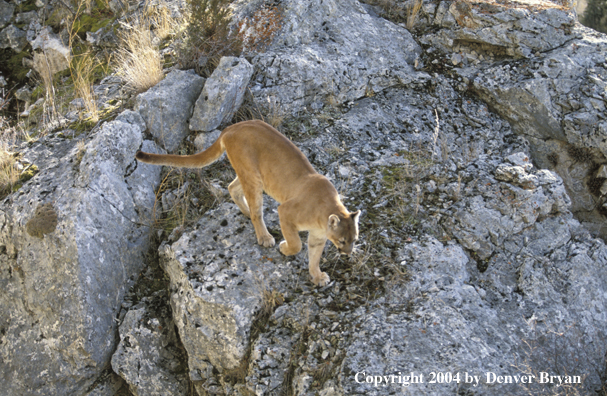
point(254, 196)
point(316, 245)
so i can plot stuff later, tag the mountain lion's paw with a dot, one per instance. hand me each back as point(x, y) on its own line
point(266, 241)
point(322, 280)
point(286, 250)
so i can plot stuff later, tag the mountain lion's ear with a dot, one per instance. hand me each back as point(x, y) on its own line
point(355, 216)
point(333, 221)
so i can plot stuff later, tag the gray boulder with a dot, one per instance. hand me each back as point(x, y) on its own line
point(6, 13)
point(503, 209)
point(149, 356)
point(108, 384)
point(204, 140)
point(330, 52)
point(219, 278)
point(222, 94)
point(14, 38)
point(167, 106)
point(26, 17)
point(73, 241)
point(24, 94)
point(50, 54)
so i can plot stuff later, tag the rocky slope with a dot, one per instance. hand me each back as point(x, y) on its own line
point(474, 147)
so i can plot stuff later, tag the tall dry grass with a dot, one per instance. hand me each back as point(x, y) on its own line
point(163, 24)
point(82, 68)
point(412, 13)
point(50, 112)
point(139, 60)
point(9, 174)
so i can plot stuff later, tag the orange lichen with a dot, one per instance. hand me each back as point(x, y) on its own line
point(258, 30)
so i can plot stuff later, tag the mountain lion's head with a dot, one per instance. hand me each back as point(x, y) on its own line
point(343, 231)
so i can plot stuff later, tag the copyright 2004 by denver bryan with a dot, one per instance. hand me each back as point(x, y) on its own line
point(463, 377)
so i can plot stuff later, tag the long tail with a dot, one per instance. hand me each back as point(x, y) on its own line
point(199, 160)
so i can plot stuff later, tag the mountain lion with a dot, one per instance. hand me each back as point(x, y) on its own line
point(265, 160)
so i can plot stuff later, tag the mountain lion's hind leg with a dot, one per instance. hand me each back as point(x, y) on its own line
point(292, 243)
point(237, 194)
point(253, 193)
point(316, 244)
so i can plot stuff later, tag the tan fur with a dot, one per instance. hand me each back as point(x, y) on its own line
point(265, 160)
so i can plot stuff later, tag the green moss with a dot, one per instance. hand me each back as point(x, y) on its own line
point(29, 5)
point(29, 173)
point(91, 23)
point(99, 17)
point(38, 92)
point(58, 14)
point(12, 64)
point(81, 126)
point(392, 175)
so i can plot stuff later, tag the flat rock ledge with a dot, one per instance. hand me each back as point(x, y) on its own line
point(219, 278)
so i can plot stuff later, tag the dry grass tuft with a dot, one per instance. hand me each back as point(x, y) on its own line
point(161, 21)
point(139, 60)
point(50, 112)
point(9, 174)
point(172, 212)
point(413, 12)
point(82, 68)
point(271, 300)
point(275, 115)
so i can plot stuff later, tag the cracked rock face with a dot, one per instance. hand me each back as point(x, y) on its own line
point(513, 29)
point(494, 275)
point(331, 51)
point(148, 356)
point(506, 320)
point(557, 101)
point(498, 210)
point(61, 293)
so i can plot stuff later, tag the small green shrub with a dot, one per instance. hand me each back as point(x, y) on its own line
point(595, 15)
point(207, 36)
